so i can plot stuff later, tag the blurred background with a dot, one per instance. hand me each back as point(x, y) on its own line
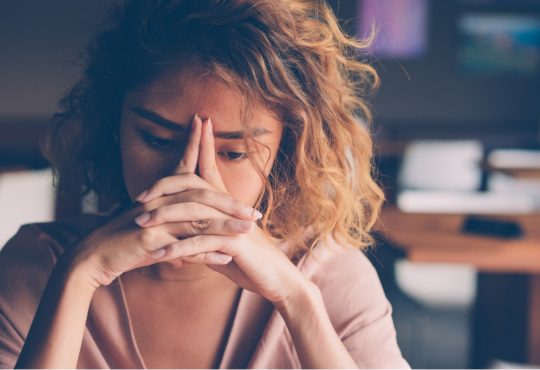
point(457, 133)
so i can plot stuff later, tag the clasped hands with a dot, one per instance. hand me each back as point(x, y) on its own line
point(212, 227)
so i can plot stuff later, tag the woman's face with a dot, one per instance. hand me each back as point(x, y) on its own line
point(154, 130)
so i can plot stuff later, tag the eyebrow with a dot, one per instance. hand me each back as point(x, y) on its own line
point(159, 120)
point(184, 127)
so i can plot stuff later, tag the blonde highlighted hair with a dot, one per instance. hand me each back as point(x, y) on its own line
point(289, 55)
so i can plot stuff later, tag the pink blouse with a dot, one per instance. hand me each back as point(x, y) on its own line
point(258, 338)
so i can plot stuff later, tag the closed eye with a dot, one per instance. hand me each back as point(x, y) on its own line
point(165, 145)
point(233, 156)
point(157, 143)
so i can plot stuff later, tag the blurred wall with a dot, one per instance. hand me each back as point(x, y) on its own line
point(40, 42)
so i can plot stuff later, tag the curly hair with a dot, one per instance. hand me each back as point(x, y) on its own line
point(290, 55)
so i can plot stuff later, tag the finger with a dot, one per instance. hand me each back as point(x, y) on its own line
point(150, 241)
point(207, 157)
point(178, 212)
point(175, 263)
point(209, 258)
point(194, 249)
point(232, 271)
point(171, 185)
point(201, 244)
point(220, 201)
point(209, 227)
point(188, 163)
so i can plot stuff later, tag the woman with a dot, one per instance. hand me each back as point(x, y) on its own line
point(226, 135)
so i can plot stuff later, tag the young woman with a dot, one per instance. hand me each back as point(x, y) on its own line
point(231, 137)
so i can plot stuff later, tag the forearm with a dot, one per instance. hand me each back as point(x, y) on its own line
point(315, 340)
point(55, 336)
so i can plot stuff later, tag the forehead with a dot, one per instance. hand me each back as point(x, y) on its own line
point(180, 95)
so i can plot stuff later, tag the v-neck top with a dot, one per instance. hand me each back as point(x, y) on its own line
point(258, 336)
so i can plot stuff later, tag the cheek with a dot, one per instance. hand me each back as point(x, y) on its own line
point(140, 167)
point(243, 183)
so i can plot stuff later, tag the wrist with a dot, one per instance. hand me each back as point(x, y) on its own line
point(301, 299)
point(75, 271)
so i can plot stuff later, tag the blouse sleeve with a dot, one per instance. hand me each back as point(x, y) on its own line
point(359, 310)
point(25, 266)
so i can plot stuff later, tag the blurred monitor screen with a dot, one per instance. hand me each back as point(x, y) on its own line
point(462, 69)
point(401, 27)
point(499, 43)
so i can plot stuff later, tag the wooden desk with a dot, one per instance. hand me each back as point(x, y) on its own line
point(437, 238)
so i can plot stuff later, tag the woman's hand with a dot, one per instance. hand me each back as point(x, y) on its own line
point(258, 264)
point(196, 208)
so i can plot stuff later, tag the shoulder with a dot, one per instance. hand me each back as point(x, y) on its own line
point(25, 254)
point(25, 265)
point(27, 259)
point(342, 271)
point(349, 284)
point(355, 302)
point(51, 238)
point(26, 262)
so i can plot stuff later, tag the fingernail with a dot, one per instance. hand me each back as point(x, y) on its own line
point(142, 219)
point(159, 253)
point(256, 214)
point(193, 124)
point(242, 225)
point(209, 126)
point(223, 258)
point(141, 196)
point(251, 213)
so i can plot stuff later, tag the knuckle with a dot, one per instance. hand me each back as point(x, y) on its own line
point(204, 195)
point(191, 209)
point(230, 225)
point(200, 226)
point(197, 242)
point(147, 238)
